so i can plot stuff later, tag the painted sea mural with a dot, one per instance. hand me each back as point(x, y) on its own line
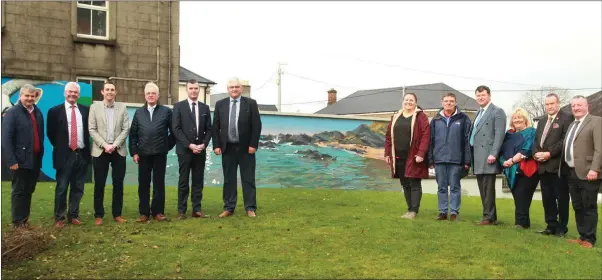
point(304, 152)
point(295, 151)
point(51, 94)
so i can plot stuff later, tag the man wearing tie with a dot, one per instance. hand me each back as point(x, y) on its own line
point(236, 131)
point(582, 160)
point(109, 125)
point(486, 138)
point(547, 149)
point(23, 149)
point(191, 124)
point(68, 133)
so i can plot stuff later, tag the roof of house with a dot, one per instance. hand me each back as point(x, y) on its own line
point(262, 107)
point(595, 104)
point(267, 107)
point(186, 75)
point(389, 100)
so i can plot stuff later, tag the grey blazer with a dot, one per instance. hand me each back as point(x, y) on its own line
point(97, 125)
point(488, 139)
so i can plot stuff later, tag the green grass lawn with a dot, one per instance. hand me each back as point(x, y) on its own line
point(301, 233)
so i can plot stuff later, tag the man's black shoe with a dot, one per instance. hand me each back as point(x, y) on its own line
point(546, 232)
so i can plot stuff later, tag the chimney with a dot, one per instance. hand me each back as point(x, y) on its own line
point(246, 88)
point(332, 96)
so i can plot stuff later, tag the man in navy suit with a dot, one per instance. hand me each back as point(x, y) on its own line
point(69, 135)
point(191, 124)
point(236, 130)
point(23, 149)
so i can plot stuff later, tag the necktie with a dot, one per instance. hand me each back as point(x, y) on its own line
point(73, 139)
point(545, 131)
point(36, 136)
point(474, 129)
point(232, 133)
point(196, 125)
point(151, 110)
point(569, 144)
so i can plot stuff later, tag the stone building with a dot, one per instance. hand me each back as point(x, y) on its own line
point(129, 43)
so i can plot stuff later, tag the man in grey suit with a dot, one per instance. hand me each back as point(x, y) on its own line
point(109, 125)
point(486, 138)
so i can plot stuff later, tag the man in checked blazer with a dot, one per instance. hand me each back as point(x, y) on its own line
point(486, 138)
point(109, 125)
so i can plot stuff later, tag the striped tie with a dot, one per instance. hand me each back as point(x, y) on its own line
point(545, 132)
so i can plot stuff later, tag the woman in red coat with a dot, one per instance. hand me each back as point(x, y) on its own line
point(406, 147)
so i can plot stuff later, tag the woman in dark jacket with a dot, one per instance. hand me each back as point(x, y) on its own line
point(520, 169)
point(406, 147)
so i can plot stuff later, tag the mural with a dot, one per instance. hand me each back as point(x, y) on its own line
point(51, 93)
point(294, 152)
point(304, 152)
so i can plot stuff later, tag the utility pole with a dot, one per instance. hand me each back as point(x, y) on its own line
point(280, 85)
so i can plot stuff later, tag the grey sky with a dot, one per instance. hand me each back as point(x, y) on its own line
point(365, 45)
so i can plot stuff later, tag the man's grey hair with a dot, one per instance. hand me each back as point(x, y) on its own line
point(234, 80)
point(75, 84)
point(27, 88)
point(578, 97)
point(151, 87)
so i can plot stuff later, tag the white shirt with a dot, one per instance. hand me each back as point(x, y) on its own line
point(478, 118)
point(196, 113)
point(80, 124)
point(237, 111)
point(150, 110)
point(570, 161)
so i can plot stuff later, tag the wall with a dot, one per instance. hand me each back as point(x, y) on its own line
point(39, 41)
point(350, 156)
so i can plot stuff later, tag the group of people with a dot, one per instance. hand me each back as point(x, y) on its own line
point(563, 155)
point(155, 129)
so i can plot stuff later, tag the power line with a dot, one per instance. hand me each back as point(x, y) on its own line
point(441, 74)
point(266, 82)
point(322, 82)
point(431, 89)
point(422, 89)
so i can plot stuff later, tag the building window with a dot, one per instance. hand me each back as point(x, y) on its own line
point(92, 19)
point(97, 85)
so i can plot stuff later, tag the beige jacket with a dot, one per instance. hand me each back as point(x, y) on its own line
point(587, 147)
point(97, 124)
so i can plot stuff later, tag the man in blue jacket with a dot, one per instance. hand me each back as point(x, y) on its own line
point(23, 149)
point(449, 153)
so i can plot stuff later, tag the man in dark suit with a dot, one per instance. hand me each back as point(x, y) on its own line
point(486, 138)
point(191, 124)
point(23, 149)
point(236, 130)
point(68, 133)
point(547, 148)
point(151, 138)
point(582, 160)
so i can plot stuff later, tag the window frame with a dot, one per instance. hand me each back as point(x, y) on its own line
point(90, 78)
point(97, 8)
